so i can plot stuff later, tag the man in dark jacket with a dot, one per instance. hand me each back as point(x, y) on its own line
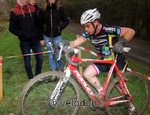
point(24, 24)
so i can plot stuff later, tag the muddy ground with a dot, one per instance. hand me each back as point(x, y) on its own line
point(140, 48)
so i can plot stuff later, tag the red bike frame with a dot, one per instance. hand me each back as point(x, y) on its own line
point(122, 87)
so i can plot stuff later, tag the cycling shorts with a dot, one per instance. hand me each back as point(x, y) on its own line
point(121, 63)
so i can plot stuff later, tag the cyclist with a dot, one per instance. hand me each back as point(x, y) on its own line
point(102, 36)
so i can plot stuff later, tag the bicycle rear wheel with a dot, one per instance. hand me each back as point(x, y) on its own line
point(139, 89)
point(34, 99)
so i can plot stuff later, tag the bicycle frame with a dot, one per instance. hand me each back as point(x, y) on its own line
point(112, 101)
point(114, 98)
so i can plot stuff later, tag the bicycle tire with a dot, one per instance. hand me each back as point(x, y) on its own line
point(35, 95)
point(135, 84)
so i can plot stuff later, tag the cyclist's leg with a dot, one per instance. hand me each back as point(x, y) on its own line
point(91, 72)
point(94, 69)
point(122, 63)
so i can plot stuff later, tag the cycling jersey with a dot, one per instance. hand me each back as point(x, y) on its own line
point(107, 36)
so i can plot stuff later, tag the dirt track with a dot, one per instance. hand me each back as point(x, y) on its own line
point(140, 49)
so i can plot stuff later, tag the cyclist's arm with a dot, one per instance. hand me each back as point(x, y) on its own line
point(78, 41)
point(127, 33)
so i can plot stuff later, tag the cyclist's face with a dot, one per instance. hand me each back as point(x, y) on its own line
point(89, 28)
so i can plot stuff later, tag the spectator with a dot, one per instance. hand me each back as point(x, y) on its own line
point(24, 24)
point(52, 20)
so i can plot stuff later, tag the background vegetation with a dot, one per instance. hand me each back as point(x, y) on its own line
point(130, 13)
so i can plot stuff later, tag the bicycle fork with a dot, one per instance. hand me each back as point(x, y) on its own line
point(59, 88)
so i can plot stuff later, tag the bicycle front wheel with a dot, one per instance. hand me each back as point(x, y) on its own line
point(35, 97)
point(139, 89)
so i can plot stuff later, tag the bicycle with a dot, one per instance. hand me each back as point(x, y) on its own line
point(63, 96)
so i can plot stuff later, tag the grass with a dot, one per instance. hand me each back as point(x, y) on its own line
point(15, 78)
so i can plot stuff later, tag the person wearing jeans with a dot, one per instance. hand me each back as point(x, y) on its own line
point(36, 48)
point(52, 54)
point(52, 20)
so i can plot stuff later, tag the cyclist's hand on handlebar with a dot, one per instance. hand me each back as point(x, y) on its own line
point(65, 46)
point(65, 43)
point(118, 47)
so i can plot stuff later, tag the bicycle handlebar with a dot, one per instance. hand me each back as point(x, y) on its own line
point(68, 49)
point(125, 49)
